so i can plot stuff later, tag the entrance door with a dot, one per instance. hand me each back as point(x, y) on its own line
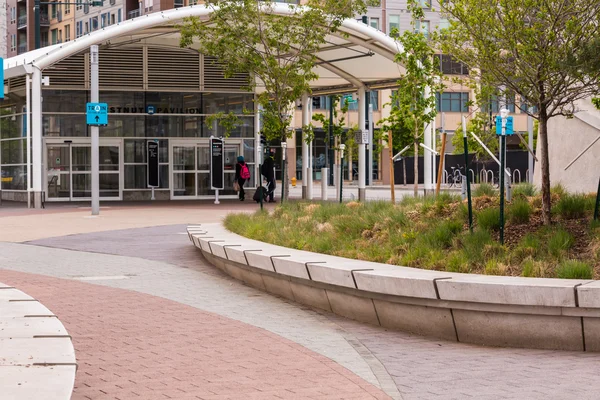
point(191, 170)
point(70, 171)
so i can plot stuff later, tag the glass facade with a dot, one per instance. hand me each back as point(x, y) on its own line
point(134, 118)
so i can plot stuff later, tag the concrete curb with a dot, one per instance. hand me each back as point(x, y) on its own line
point(37, 357)
point(500, 311)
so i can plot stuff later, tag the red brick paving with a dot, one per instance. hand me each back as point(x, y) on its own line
point(136, 346)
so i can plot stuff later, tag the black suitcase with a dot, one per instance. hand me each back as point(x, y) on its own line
point(259, 190)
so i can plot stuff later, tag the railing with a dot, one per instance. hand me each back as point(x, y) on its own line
point(22, 21)
point(44, 20)
point(22, 48)
point(133, 14)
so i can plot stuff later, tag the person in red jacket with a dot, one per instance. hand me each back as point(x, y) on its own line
point(242, 174)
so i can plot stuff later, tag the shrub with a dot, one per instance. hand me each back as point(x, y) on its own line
point(560, 242)
point(484, 189)
point(571, 206)
point(573, 269)
point(534, 269)
point(519, 212)
point(524, 189)
point(457, 262)
point(489, 218)
point(558, 190)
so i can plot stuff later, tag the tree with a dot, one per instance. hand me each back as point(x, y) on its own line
point(524, 46)
point(415, 107)
point(341, 133)
point(479, 124)
point(277, 51)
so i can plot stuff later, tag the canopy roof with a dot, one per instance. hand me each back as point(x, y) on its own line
point(356, 56)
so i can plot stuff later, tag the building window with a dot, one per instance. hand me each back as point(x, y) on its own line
point(112, 19)
point(452, 101)
point(67, 8)
point(13, 42)
point(425, 3)
point(103, 21)
point(444, 24)
point(423, 27)
point(13, 15)
point(87, 28)
point(60, 36)
point(495, 104)
point(374, 23)
point(67, 33)
point(449, 66)
point(177, 3)
point(119, 19)
point(54, 36)
point(79, 5)
point(94, 23)
point(393, 23)
point(53, 8)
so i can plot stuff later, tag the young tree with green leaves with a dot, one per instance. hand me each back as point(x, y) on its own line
point(414, 106)
point(525, 47)
point(277, 51)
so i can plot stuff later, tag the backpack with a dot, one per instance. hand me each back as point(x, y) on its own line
point(244, 172)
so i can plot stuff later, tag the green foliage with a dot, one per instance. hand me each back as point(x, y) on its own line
point(519, 212)
point(573, 269)
point(559, 242)
point(339, 130)
point(472, 245)
point(484, 189)
point(479, 124)
point(524, 190)
point(596, 102)
point(489, 218)
point(227, 121)
point(571, 206)
point(246, 36)
point(534, 49)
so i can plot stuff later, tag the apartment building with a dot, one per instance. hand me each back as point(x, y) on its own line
point(3, 28)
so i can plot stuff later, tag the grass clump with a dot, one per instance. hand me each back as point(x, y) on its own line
point(489, 218)
point(573, 269)
point(519, 212)
point(524, 190)
point(484, 189)
point(571, 206)
point(559, 243)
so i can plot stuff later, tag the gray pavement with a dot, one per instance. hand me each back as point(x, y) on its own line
point(161, 261)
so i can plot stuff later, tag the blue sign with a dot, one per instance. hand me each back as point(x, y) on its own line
point(97, 114)
point(509, 128)
point(151, 110)
point(1, 78)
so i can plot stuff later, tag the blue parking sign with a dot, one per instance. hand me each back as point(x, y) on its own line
point(509, 128)
point(97, 114)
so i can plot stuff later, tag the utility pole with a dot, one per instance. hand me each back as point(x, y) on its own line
point(95, 131)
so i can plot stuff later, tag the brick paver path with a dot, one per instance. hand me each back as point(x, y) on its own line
point(136, 346)
point(160, 261)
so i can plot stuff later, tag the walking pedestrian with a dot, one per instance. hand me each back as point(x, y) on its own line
point(242, 174)
point(268, 171)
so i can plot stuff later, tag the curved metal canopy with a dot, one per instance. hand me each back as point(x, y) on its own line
point(356, 56)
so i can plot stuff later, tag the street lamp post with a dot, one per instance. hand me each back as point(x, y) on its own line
point(283, 180)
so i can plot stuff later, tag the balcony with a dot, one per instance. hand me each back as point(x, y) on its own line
point(22, 48)
point(22, 22)
point(133, 14)
point(44, 20)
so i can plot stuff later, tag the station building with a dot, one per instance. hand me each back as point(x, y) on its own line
point(156, 90)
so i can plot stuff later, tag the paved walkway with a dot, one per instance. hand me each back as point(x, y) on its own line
point(147, 313)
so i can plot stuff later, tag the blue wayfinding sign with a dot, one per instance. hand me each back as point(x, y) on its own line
point(96, 113)
point(1, 78)
point(509, 129)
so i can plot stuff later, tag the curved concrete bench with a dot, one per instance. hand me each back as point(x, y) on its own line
point(480, 309)
point(37, 358)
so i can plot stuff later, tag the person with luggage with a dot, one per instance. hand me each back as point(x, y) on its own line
point(268, 171)
point(242, 174)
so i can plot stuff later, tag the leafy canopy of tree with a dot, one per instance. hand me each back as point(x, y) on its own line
point(276, 50)
point(413, 107)
point(524, 46)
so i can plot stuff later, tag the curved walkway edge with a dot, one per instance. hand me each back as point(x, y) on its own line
point(487, 310)
point(37, 357)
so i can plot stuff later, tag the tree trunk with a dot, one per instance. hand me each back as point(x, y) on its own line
point(543, 137)
point(404, 169)
point(416, 167)
point(392, 179)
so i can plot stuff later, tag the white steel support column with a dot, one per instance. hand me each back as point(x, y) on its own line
point(427, 155)
point(305, 121)
point(36, 136)
point(95, 131)
point(362, 120)
point(28, 125)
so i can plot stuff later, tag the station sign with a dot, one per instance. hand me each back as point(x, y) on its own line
point(217, 164)
point(96, 114)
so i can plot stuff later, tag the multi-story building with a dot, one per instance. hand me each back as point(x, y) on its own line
point(3, 27)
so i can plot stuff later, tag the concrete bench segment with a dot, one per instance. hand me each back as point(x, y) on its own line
point(401, 281)
point(589, 294)
point(510, 290)
point(37, 357)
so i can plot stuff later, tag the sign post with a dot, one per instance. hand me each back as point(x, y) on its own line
point(97, 114)
point(152, 147)
point(217, 166)
point(504, 126)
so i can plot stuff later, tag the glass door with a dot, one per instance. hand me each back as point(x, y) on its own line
point(70, 171)
point(191, 170)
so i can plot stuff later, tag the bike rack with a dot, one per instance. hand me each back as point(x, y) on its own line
point(472, 175)
point(515, 176)
point(445, 176)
